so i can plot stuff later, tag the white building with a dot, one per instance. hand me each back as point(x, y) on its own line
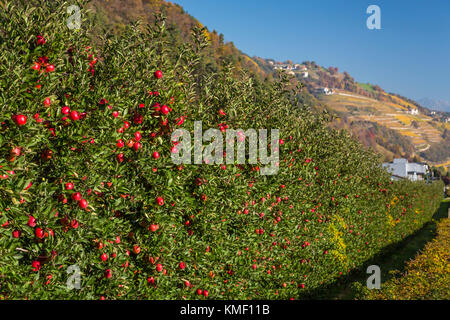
point(401, 169)
point(412, 110)
point(326, 91)
point(283, 67)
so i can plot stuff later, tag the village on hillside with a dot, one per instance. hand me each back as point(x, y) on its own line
point(365, 102)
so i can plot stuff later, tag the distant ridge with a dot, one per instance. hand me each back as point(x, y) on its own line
point(435, 104)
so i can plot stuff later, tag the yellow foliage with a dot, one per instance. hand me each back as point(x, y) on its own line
point(391, 221)
point(409, 133)
point(394, 200)
point(404, 118)
point(339, 253)
point(207, 35)
point(425, 277)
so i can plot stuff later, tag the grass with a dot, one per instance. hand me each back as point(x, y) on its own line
point(396, 263)
point(366, 86)
point(427, 276)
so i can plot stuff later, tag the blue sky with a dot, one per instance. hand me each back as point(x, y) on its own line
point(410, 55)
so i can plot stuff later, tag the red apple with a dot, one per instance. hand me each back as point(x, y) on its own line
point(15, 151)
point(50, 68)
point(137, 146)
point(20, 119)
point(69, 186)
point(160, 201)
point(158, 74)
point(83, 204)
point(36, 66)
point(165, 110)
point(74, 116)
point(39, 233)
point(32, 221)
point(76, 196)
point(47, 102)
point(36, 265)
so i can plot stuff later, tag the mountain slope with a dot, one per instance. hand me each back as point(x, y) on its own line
point(435, 104)
point(392, 125)
point(115, 14)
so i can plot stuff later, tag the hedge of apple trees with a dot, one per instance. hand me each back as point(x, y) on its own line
point(87, 180)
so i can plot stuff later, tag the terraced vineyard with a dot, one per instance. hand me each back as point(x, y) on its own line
point(421, 129)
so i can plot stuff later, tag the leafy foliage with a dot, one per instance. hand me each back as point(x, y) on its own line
point(150, 229)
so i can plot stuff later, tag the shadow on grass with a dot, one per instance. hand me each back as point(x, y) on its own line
point(393, 257)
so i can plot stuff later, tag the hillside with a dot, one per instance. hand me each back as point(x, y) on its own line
point(114, 15)
point(389, 123)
